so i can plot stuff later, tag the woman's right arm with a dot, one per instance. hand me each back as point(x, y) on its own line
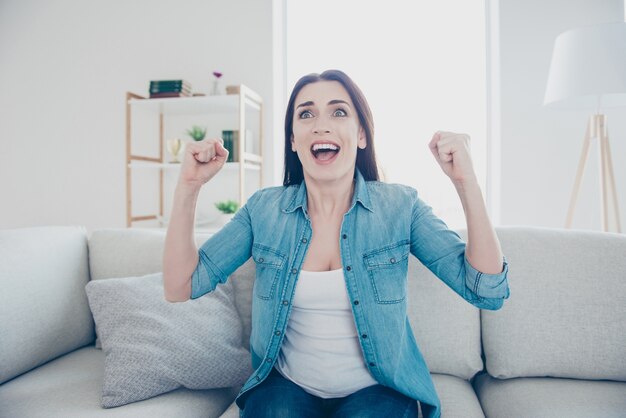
point(201, 161)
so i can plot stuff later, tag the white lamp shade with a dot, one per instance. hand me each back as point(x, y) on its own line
point(588, 65)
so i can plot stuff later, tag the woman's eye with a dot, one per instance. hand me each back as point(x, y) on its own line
point(340, 112)
point(304, 113)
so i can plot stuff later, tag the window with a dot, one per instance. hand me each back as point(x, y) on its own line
point(422, 67)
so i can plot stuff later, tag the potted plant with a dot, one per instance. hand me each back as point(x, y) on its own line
point(228, 208)
point(197, 132)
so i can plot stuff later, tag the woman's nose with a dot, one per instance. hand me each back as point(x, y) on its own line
point(321, 126)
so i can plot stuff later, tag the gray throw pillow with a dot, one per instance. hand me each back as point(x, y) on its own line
point(152, 346)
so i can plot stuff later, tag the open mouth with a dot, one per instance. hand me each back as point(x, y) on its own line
point(324, 152)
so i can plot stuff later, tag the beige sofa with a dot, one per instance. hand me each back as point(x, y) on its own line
point(557, 348)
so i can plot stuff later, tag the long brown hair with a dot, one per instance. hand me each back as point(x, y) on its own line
point(365, 158)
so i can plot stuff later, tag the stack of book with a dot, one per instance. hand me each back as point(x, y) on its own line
point(169, 88)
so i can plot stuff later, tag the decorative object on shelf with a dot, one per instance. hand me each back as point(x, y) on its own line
point(232, 89)
point(216, 84)
point(228, 206)
point(174, 147)
point(588, 71)
point(197, 133)
point(228, 209)
point(146, 340)
point(231, 143)
point(169, 88)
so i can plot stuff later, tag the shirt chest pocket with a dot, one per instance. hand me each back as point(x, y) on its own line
point(269, 266)
point(387, 269)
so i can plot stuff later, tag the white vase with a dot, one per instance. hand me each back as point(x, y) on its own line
point(217, 88)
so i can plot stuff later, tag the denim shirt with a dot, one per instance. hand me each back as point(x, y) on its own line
point(384, 224)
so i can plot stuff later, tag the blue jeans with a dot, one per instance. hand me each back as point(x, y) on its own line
point(277, 397)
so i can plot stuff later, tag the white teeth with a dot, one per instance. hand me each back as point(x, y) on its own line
point(325, 146)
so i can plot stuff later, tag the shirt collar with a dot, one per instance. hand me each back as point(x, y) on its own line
point(361, 194)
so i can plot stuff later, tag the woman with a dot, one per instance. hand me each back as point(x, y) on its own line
point(330, 335)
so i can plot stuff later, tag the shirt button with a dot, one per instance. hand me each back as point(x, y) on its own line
point(364, 335)
point(356, 302)
point(285, 302)
point(304, 240)
point(348, 268)
point(277, 333)
point(372, 364)
point(258, 378)
point(344, 236)
point(294, 271)
point(393, 260)
point(269, 360)
point(261, 260)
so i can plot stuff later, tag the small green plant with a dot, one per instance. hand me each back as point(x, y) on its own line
point(229, 206)
point(197, 132)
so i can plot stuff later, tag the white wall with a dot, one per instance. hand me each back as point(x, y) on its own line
point(541, 147)
point(64, 69)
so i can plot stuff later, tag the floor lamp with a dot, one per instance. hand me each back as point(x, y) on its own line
point(588, 71)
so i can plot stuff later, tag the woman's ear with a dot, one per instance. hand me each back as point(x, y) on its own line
point(362, 138)
point(293, 148)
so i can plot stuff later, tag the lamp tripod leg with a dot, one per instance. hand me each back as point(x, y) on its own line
point(579, 173)
point(608, 177)
point(603, 183)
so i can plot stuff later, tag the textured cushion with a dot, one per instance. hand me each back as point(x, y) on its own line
point(446, 326)
point(43, 305)
point(567, 317)
point(117, 252)
point(548, 397)
point(152, 346)
point(70, 387)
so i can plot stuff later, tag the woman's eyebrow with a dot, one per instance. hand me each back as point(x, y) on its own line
point(337, 101)
point(332, 102)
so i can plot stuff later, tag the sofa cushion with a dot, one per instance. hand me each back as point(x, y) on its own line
point(43, 305)
point(446, 326)
point(549, 397)
point(568, 314)
point(153, 346)
point(70, 387)
point(117, 252)
point(457, 397)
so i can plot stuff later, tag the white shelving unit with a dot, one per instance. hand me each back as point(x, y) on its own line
point(233, 104)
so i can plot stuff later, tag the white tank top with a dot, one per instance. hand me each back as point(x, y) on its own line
point(320, 350)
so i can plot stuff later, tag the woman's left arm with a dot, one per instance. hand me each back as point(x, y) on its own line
point(452, 152)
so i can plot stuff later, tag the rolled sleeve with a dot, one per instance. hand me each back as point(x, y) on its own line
point(206, 277)
point(487, 285)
